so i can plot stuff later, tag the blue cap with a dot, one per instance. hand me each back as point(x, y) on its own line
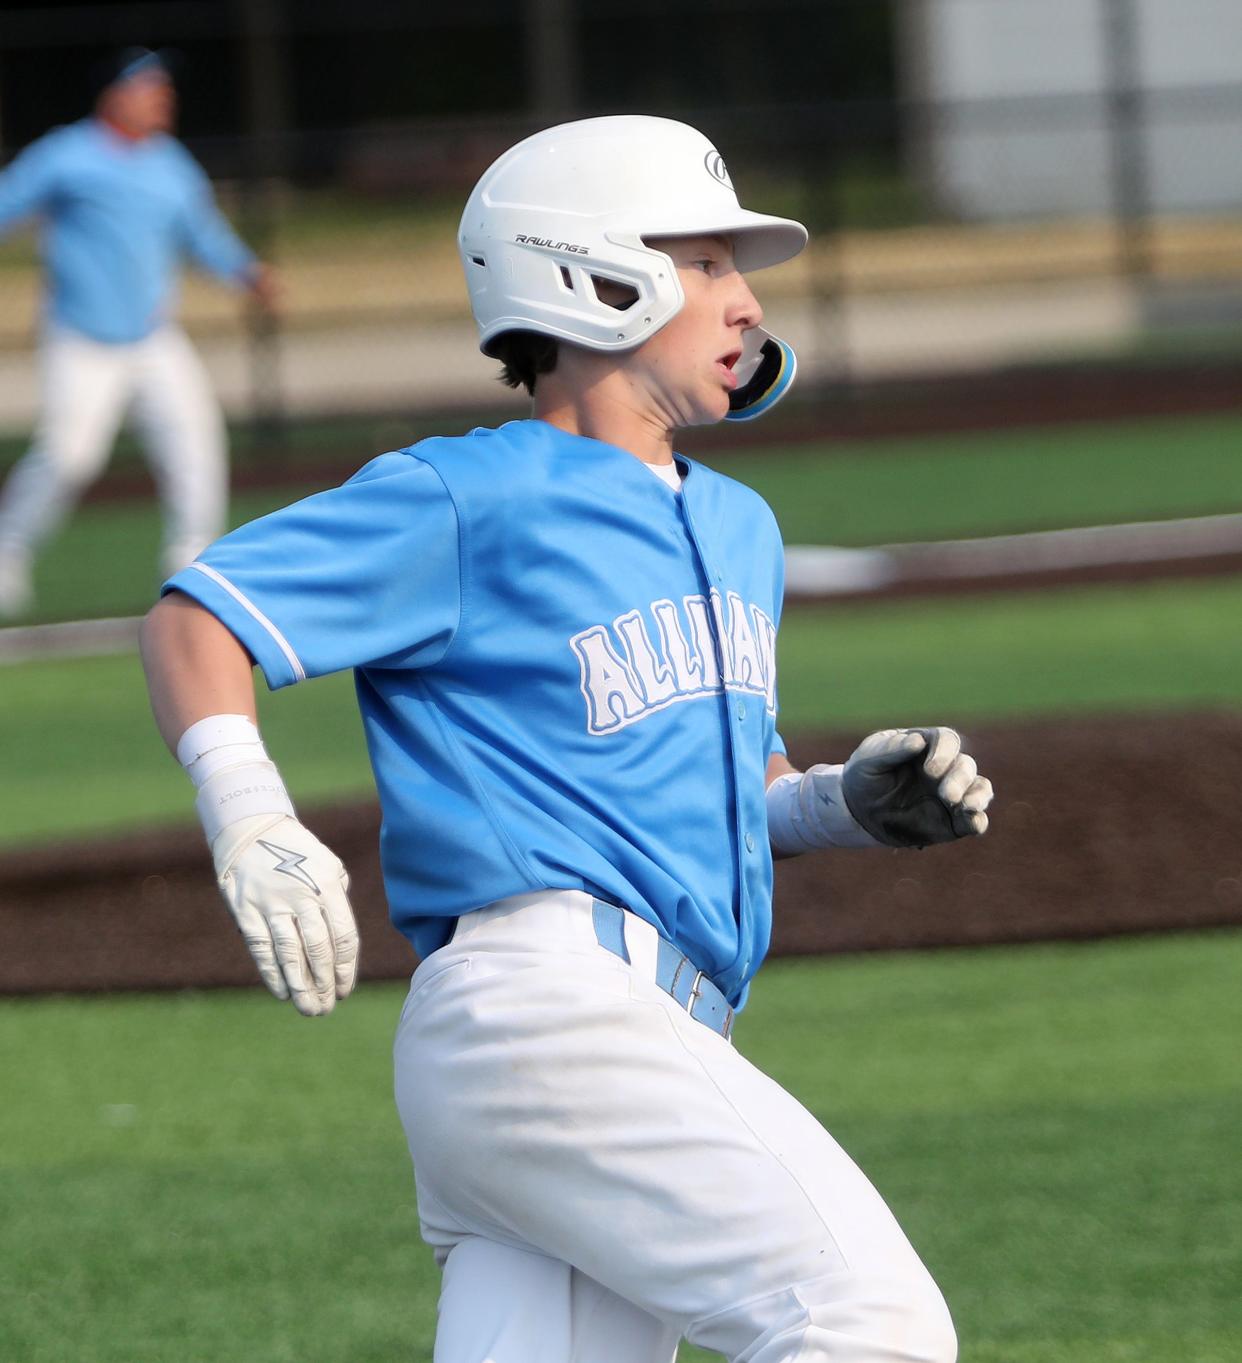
point(141, 61)
point(131, 62)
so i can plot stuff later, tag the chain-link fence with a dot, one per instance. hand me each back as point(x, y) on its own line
point(989, 183)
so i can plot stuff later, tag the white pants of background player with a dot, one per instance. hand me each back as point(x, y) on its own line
point(601, 1175)
point(86, 387)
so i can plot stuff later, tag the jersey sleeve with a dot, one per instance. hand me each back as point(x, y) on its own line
point(207, 236)
point(364, 575)
point(28, 184)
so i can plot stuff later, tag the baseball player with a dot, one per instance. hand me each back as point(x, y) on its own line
point(563, 635)
point(120, 202)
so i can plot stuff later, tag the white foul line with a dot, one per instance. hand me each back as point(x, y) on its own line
point(69, 639)
point(822, 571)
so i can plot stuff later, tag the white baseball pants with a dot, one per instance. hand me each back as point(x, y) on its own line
point(86, 386)
point(600, 1175)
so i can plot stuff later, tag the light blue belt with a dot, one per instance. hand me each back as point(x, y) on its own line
point(676, 973)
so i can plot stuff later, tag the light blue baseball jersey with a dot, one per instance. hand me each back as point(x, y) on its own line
point(566, 673)
point(117, 217)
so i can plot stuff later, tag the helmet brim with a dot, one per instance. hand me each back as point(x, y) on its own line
point(759, 240)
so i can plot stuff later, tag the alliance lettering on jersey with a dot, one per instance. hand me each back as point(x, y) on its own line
point(629, 670)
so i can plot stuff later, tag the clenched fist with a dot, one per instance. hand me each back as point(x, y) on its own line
point(913, 787)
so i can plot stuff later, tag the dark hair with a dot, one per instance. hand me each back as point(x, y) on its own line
point(525, 355)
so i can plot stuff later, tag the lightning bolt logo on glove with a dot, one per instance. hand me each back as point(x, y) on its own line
point(289, 863)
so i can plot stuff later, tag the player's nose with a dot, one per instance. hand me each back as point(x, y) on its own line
point(744, 310)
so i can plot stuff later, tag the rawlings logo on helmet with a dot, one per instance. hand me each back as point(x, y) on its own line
point(569, 246)
point(716, 168)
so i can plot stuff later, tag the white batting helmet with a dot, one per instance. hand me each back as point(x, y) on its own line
point(575, 202)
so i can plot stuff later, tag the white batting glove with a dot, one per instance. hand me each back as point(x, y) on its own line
point(286, 890)
point(913, 787)
point(288, 893)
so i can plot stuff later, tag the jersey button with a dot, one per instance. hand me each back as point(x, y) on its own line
point(750, 842)
point(741, 710)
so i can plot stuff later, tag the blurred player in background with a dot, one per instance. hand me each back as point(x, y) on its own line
point(120, 202)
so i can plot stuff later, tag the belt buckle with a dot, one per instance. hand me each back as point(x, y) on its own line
point(726, 1025)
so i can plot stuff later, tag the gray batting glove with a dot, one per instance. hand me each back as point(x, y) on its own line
point(287, 892)
point(913, 787)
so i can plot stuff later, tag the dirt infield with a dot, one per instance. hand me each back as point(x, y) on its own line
point(1101, 827)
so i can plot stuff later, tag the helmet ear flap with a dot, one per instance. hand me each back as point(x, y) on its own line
point(603, 304)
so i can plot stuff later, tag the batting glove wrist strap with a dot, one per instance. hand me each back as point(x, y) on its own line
point(234, 777)
point(241, 793)
point(806, 811)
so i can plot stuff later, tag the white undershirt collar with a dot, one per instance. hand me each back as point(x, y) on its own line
point(667, 473)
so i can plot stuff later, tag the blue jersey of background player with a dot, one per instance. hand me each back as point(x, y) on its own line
point(564, 640)
point(119, 206)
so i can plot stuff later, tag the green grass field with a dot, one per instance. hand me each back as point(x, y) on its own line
point(211, 1177)
point(103, 563)
point(83, 755)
